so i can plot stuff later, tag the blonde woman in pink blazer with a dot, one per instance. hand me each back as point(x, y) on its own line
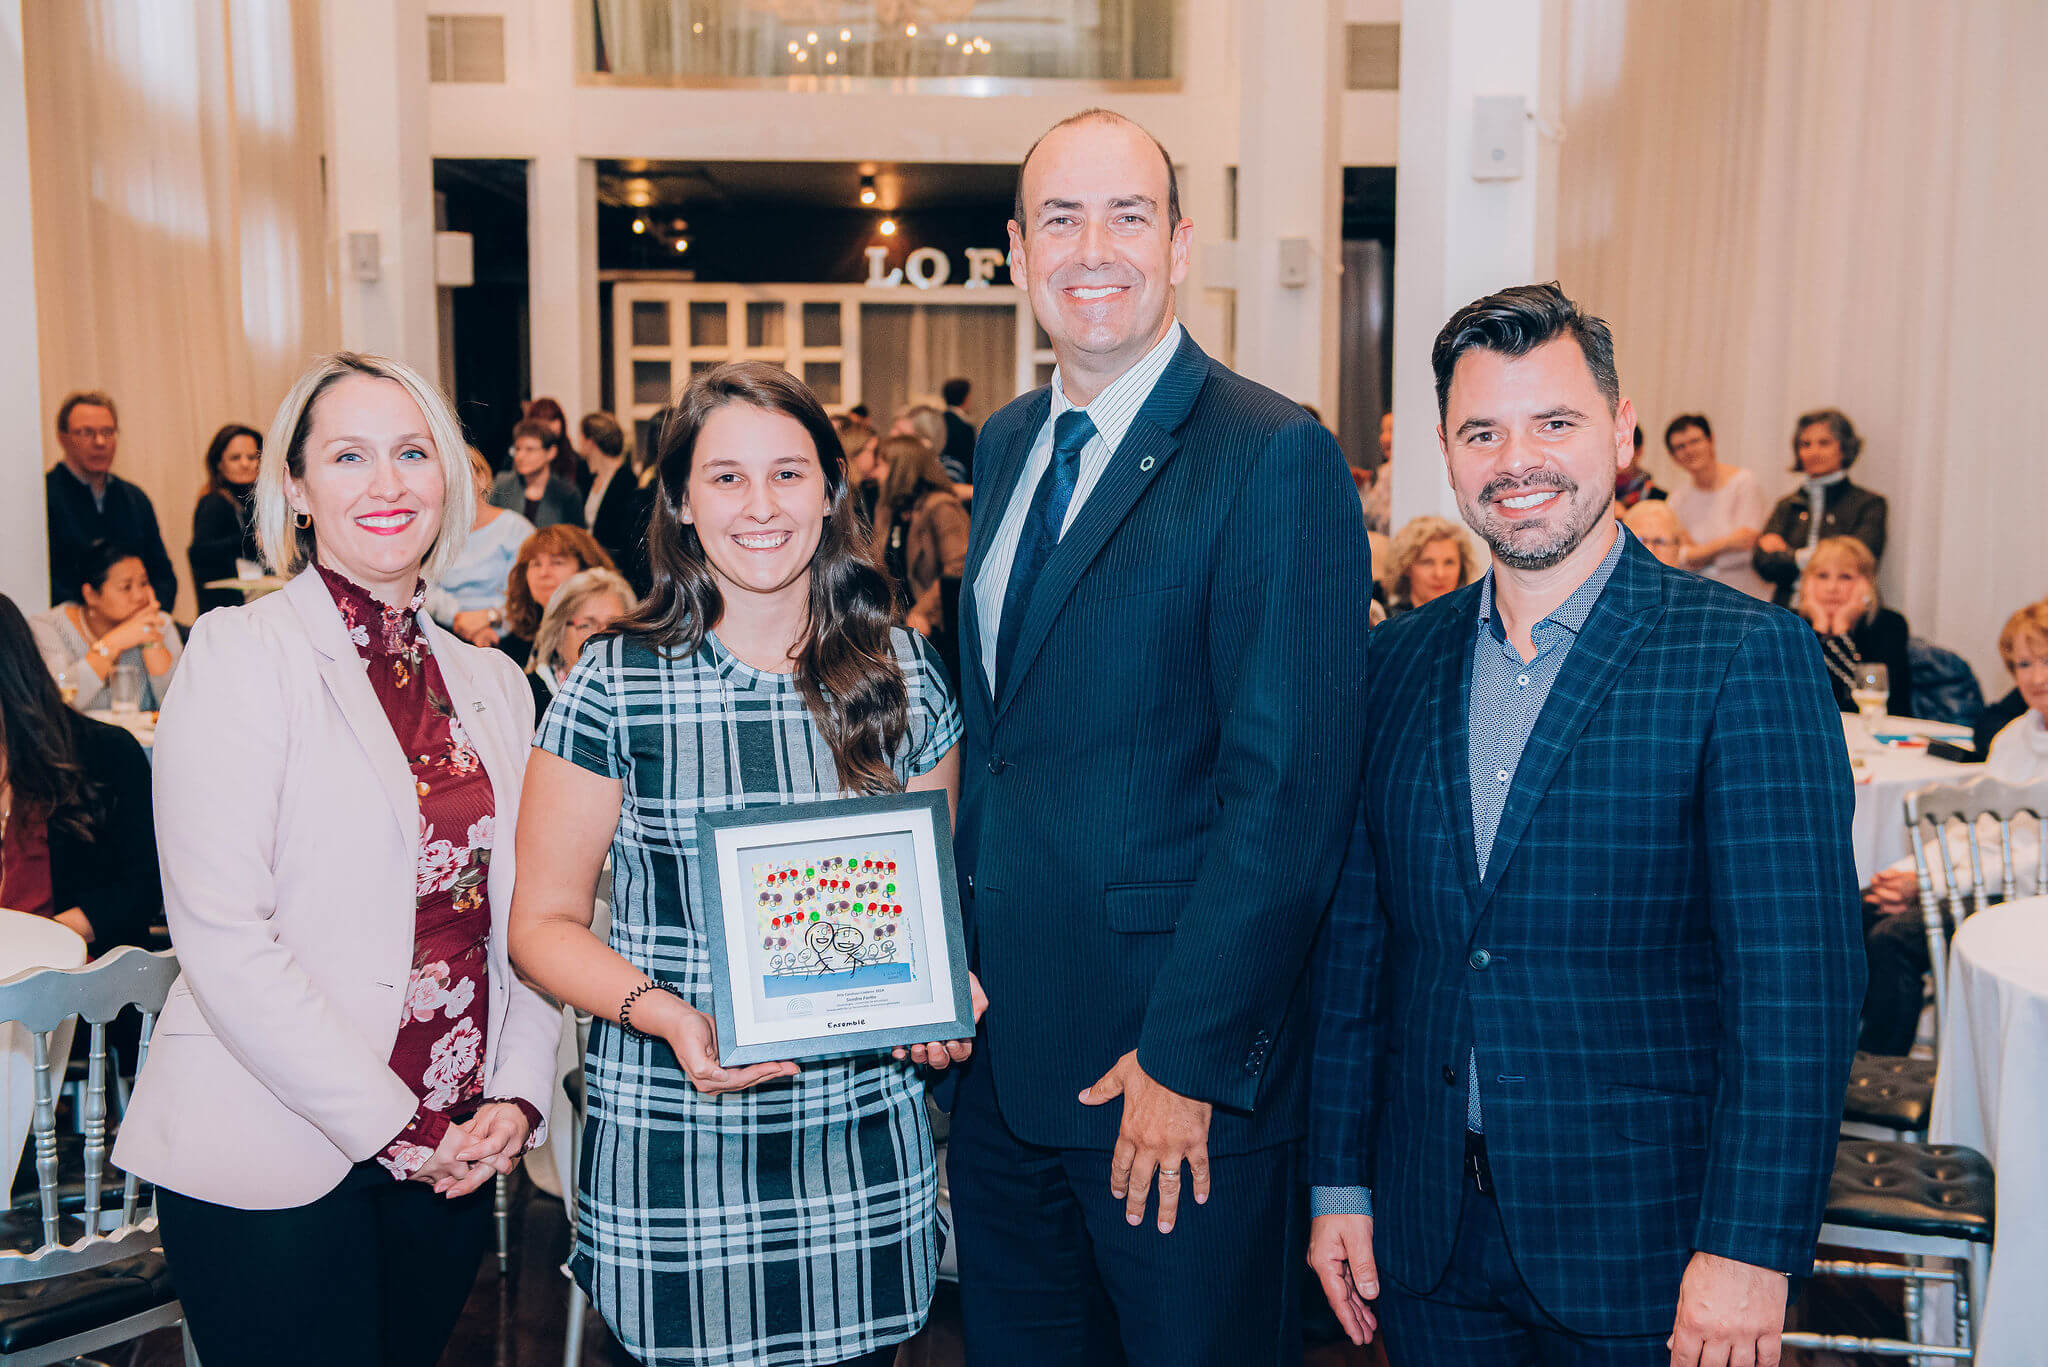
point(347, 1058)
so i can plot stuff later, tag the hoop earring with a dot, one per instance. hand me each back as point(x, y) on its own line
point(302, 521)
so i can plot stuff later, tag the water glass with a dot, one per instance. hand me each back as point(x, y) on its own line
point(126, 687)
point(1872, 694)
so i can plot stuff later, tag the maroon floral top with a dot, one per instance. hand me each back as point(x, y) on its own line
point(440, 1046)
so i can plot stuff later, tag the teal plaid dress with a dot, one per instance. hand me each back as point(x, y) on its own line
point(795, 1222)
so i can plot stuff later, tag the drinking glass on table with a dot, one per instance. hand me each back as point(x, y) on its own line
point(1872, 694)
point(125, 688)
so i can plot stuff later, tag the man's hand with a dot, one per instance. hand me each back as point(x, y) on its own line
point(1730, 1314)
point(1340, 1252)
point(1161, 1130)
point(1894, 890)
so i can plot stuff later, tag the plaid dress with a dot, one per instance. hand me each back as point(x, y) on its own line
point(794, 1222)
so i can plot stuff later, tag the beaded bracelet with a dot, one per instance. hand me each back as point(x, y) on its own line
point(626, 1006)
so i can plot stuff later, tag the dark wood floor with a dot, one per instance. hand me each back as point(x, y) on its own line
point(520, 1321)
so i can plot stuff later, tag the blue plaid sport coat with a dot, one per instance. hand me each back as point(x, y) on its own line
point(1661, 971)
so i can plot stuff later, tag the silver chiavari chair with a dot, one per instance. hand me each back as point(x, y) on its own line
point(78, 1275)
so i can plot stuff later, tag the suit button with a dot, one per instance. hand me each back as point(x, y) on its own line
point(996, 763)
point(1450, 1076)
point(1480, 959)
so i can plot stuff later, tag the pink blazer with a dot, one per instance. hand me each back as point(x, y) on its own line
point(288, 831)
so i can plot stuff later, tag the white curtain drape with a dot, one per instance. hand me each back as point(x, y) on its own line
point(175, 163)
point(1783, 205)
point(909, 350)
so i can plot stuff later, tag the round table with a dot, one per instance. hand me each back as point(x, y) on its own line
point(1991, 1093)
point(1884, 775)
point(28, 942)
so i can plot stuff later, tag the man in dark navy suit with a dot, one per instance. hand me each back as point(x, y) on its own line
point(1586, 1002)
point(1163, 621)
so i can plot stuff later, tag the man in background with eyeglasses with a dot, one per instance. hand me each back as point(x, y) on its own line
point(88, 502)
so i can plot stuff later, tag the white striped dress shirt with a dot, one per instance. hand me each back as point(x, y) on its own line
point(1113, 412)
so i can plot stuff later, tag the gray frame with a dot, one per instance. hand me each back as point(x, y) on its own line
point(961, 1026)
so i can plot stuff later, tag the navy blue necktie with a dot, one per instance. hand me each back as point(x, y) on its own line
point(1042, 523)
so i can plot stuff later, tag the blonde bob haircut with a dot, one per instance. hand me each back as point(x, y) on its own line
point(289, 548)
point(1845, 552)
point(2026, 629)
point(569, 599)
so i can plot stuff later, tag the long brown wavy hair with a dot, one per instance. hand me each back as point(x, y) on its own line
point(846, 669)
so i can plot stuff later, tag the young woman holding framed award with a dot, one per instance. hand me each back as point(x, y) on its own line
point(764, 1212)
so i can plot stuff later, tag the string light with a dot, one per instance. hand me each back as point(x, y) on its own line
point(888, 227)
point(811, 38)
point(792, 47)
point(846, 35)
point(952, 40)
point(639, 225)
point(831, 59)
point(697, 27)
point(682, 244)
point(910, 30)
point(804, 55)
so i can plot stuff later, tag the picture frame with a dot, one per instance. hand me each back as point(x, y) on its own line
point(834, 928)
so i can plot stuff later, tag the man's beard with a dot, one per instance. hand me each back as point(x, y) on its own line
point(1512, 543)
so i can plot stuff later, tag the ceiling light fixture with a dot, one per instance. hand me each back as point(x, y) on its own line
point(682, 244)
point(811, 37)
point(639, 225)
point(831, 59)
point(867, 189)
point(846, 35)
point(952, 40)
point(910, 30)
point(804, 56)
point(888, 227)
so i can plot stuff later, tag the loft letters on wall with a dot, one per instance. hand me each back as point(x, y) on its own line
point(928, 268)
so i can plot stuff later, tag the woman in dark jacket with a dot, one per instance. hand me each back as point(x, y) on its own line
point(1838, 598)
point(77, 836)
point(1824, 446)
point(223, 527)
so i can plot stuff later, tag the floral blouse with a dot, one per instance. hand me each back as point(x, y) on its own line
point(440, 1047)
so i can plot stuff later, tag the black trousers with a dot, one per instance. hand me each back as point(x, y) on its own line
point(375, 1271)
point(1051, 1275)
point(1895, 947)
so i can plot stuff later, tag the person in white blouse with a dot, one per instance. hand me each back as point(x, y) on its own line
point(1721, 507)
point(1895, 938)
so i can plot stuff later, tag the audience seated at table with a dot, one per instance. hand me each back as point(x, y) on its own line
point(86, 502)
point(545, 562)
point(584, 605)
point(77, 838)
point(1430, 557)
point(223, 521)
point(1824, 446)
point(110, 619)
point(1658, 528)
point(1838, 598)
point(1895, 937)
point(530, 488)
point(469, 596)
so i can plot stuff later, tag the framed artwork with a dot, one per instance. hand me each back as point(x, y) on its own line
point(834, 928)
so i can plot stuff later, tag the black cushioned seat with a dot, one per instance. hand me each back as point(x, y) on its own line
point(1944, 1190)
point(44, 1312)
point(1890, 1092)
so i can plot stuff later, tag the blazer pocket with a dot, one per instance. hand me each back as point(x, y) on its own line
point(1672, 1120)
point(180, 1015)
point(1144, 908)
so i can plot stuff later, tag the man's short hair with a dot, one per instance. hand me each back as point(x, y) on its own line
point(1099, 115)
point(97, 398)
point(531, 427)
point(1683, 421)
point(602, 430)
point(1514, 322)
point(955, 391)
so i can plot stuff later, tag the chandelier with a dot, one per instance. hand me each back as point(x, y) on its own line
point(887, 13)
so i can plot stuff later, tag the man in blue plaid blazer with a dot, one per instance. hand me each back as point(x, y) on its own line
point(1586, 1001)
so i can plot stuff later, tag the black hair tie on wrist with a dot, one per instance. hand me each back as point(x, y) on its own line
point(626, 1006)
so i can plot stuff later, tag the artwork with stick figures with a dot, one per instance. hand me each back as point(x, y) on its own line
point(838, 917)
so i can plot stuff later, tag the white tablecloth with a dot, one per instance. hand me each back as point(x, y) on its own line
point(1884, 775)
point(28, 942)
point(1991, 1093)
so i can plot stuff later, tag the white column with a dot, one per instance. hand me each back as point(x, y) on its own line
point(380, 175)
point(1290, 185)
point(24, 546)
point(561, 277)
point(1458, 237)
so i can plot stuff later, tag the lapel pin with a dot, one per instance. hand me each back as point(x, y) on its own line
point(1145, 464)
point(477, 706)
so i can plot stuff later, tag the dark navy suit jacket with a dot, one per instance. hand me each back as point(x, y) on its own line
point(1661, 970)
point(1153, 814)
